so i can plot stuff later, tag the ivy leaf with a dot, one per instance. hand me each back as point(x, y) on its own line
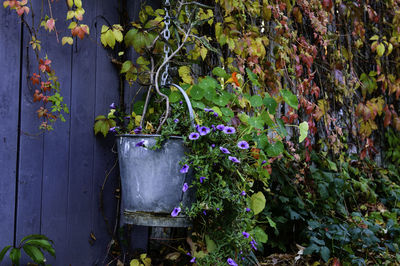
point(134, 262)
point(257, 202)
point(275, 149)
point(118, 35)
point(211, 246)
point(256, 101)
point(220, 72)
point(252, 77)
point(130, 36)
point(101, 126)
point(303, 131)
point(380, 49)
point(126, 66)
point(260, 235)
point(203, 52)
point(109, 38)
point(290, 98)
point(104, 30)
point(68, 40)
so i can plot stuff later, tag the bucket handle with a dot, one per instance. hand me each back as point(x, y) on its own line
point(189, 105)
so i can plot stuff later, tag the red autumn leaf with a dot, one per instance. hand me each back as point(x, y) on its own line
point(81, 33)
point(35, 79)
point(363, 154)
point(235, 79)
point(336, 262)
point(327, 4)
point(388, 116)
point(37, 97)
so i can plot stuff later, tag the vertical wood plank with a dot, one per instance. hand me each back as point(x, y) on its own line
point(9, 110)
point(80, 193)
point(56, 146)
point(107, 82)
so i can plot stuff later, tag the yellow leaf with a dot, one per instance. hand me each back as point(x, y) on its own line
point(137, 120)
point(118, 35)
point(70, 3)
point(70, 14)
point(134, 262)
point(78, 3)
point(68, 40)
point(380, 49)
point(184, 73)
point(323, 106)
point(203, 52)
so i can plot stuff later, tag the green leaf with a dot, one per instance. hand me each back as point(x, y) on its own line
point(197, 93)
point(198, 105)
point(311, 249)
point(118, 35)
point(126, 66)
point(270, 103)
point(103, 39)
point(275, 149)
point(36, 236)
point(211, 246)
point(227, 112)
point(325, 253)
point(110, 38)
point(174, 97)
point(220, 72)
point(256, 101)
point(252, 77)
point(15, 255)
point(256, 122)
point(35, 253)
point(42, 243)
point(265, 116)
point(290, 98)
point(217, 110)
point(101, 126)
point(271, 223)
point(260, 235)
point(130, 36)
point(281, 128)
point(257, 202)
point(210, 93)
point(222, 100)
point(303, 131)
point(3, 252)
point(138, 107)
point(380, 50)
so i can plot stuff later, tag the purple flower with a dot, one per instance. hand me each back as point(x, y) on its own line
point(204, 131)
point(113, 129)
point(263, 162)
point(208, 110)
point(233, 159)
point(185, 187)
point(188, 254)
point(231, 262)
point(217, 209)
point(184, 169)
point(175, 212)
point(225, 150)
point(215, 114)
point(137, 130)
point(176, 120)
point(245, 234)
point(193, 260)
point(194, 136)
point(140, 144)
point(204, 212)
point(243, 145)
point(253, 244)
point(248, 209)
point(180, 102)
point(229, 130)
point(202, 178)
point(220, 127)
point(212, 145)
point(113, 106)
point(243, 193)
point(127, 117)
point(213, 127)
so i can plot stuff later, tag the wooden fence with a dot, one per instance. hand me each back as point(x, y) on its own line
point(50, 182)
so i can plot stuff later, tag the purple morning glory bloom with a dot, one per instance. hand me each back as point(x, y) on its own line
point(194, 136)
point(137, 130)
point(204, 212)
point(225, 150)
point(253, 244)
point(204, 131)
point(213, 127)
point(229, 130)
point(215, 114)
point(231, 262)
point(188, 254)
point(243, 145)
point(185, 187)
point(243, 193)
point(175, 212)
point(202, 178)
point(248, 210)
point(113, 129)
point(193, 260)
point(208, 110)
point(263, 162)
point(176, 120)
point(184, 169)
point(220, 127)
point(245, 234)
point(180, 102)
point(113, 106)
point(140, 144)
point(217, 209)
point(233, 159)
point(212, 145)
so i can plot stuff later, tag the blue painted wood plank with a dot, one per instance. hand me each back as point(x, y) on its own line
point(107, 83)
point(56, 146)
point(10, 33)
point(80, 186)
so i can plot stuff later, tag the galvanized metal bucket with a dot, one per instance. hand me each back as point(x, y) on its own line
point(151, 181)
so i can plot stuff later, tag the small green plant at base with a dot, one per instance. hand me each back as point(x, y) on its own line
point(34, 246)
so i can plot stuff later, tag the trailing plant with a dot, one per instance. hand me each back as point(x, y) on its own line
point(33, 245)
